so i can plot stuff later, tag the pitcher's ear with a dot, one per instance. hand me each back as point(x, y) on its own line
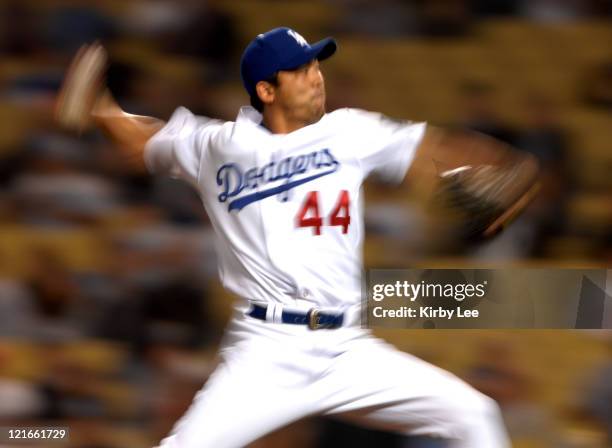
point(265, 91)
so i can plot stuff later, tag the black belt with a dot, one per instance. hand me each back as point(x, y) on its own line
point(314, 318)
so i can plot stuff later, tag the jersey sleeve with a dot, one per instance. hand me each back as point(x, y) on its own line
point(177, 149)
point(384, 147)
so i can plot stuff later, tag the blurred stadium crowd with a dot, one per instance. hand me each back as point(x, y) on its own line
point(110, 310)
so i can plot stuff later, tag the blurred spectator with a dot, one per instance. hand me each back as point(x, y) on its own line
point(158, 252)
point(179, 201)
point(599, 394)
point(20, 33)
point(176, 313)
point(498, 374)
point(164, 288)
point(543, 134)
point(11, 165)
point(56, 299)
point(444, 18)
point(16, 308)
point(209, 35)
point(155, 19)
point(487, 8)
point(19, 399)
point(386, 18)
point(601, 8)
point(34, 89)
point(553, 11)
point(480, 112)
point(597, 86)
point(62, 200)
point(53, 190)
point(544, 137)
point(74, 23)
point(51, 285)
point(193, 28)
point(69, 387)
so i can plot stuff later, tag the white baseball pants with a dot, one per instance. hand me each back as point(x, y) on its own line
point(274, 374)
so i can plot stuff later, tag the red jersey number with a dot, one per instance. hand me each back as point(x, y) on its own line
point(340, 215)
point(311, 204)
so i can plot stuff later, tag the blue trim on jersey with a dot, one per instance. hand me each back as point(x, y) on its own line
point(242, 202)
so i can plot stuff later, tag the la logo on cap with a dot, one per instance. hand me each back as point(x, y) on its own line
point(298, 38)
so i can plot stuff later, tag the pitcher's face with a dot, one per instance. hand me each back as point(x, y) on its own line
point(301, 93)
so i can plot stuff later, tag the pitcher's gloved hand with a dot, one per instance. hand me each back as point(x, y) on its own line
point(484, 199)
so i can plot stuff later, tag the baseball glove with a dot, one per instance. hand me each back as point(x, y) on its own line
point(484, 199)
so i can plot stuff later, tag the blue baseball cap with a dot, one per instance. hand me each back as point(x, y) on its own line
point(279, 49)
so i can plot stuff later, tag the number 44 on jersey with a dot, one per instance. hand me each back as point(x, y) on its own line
point(339, 216)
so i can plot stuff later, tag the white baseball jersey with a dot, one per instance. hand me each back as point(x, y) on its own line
point(287, 208)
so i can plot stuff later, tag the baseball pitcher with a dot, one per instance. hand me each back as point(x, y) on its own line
point(282, 185)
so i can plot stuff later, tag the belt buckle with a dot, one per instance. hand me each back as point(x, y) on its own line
point(313, 319)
